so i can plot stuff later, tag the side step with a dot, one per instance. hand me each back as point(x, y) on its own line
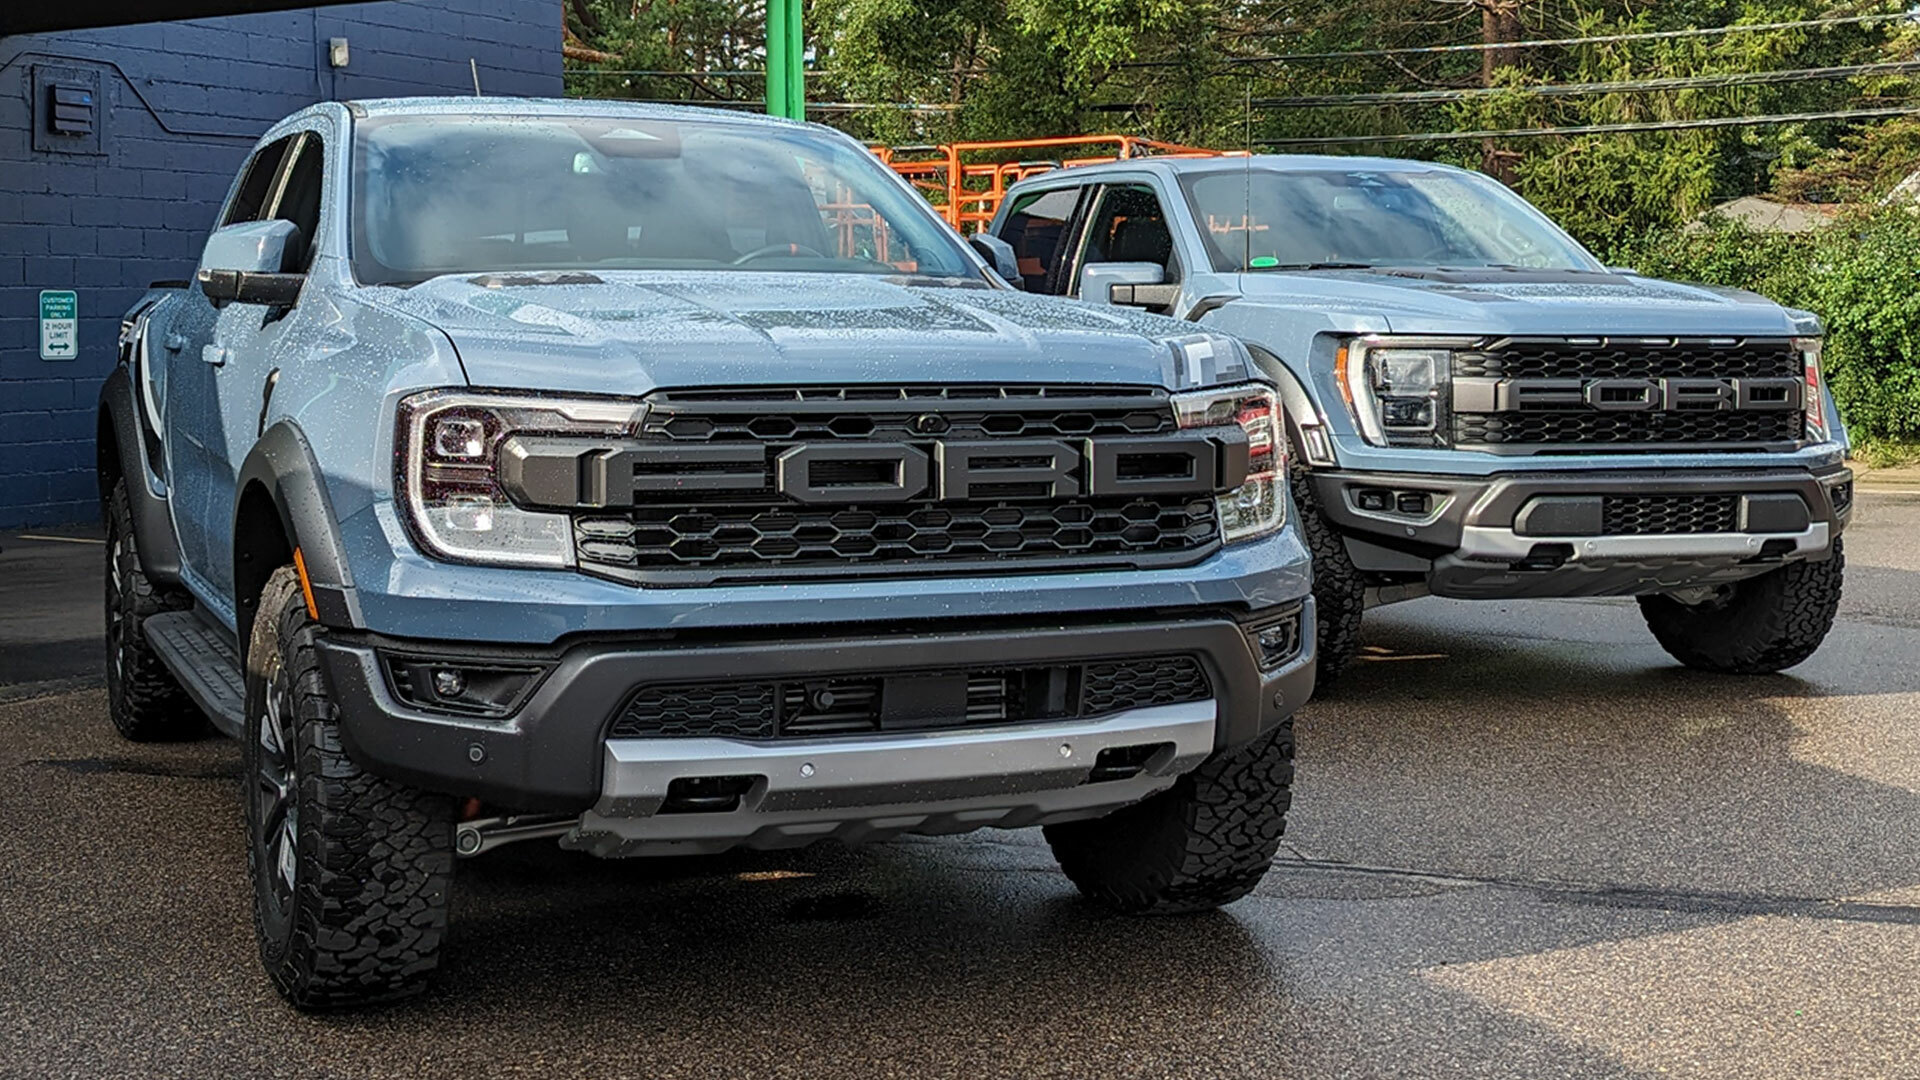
point(204, 660)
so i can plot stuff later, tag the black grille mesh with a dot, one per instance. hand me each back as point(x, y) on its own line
point(655, 537)
point(1167, 680)
point(838, 706)
point(1626, 428)
point(735, 711)
point(1631, 358)
point(1648, 515)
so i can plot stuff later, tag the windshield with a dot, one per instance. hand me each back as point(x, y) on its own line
point(1266, 219)
point(437, 195)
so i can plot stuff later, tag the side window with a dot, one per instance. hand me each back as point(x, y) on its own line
point(256, 183)
point(299, 200)
point(1036, 228)
point(1128, 226)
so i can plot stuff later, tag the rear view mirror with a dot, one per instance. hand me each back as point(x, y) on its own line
point(1000, 255)
point(246, 264)
point(1128, 284)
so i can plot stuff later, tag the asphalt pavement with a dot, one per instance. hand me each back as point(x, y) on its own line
point(1525, 844)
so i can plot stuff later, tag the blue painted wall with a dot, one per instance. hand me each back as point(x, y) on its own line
point(181, 104)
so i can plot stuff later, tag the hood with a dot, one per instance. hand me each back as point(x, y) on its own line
point(630, 332)
point(1559, 302)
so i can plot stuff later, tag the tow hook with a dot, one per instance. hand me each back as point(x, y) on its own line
point(479, 835)
point(1545, 557)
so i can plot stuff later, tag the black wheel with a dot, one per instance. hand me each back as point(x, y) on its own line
point(1753, 627)
point(1339, 590)
point(144, 700)
point(1206, 841)
point(350, 872)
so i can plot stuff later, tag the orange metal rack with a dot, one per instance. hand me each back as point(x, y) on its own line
point(967, 190)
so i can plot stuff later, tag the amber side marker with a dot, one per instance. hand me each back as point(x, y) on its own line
point(306, 585)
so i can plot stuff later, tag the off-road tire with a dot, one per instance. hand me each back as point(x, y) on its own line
point(371, 861)
point(1753, 627)
point(144, 700)
point(1204, 842)
point(1339, 589)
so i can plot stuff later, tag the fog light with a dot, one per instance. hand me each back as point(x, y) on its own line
point(461, 688)
point(1276, 640)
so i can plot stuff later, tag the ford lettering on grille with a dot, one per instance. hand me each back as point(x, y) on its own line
point(562, 472)
point(1477, 395)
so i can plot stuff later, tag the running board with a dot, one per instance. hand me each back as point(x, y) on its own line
point(205, 662)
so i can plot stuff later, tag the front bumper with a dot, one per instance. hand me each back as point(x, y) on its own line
point(1541, 534)
point(554, 754)
point(854, 790)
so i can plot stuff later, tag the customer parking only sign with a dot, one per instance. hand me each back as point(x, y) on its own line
point(59, 324)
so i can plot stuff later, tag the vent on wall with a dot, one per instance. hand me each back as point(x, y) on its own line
point(68, 110)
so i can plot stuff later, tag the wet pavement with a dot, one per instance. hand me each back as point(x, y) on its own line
point(1525, 844)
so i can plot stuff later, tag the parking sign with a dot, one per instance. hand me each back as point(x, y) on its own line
point(59, 324)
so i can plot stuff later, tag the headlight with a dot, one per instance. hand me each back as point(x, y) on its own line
point(1814, 401)
point(1258, 506)
point(447, 473)
point(1397, 390)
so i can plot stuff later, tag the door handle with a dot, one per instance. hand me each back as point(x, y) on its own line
point(175, 343)
point(213, 354)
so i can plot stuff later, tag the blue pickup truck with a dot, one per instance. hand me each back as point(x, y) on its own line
point(667, 481)
point(1478, 408)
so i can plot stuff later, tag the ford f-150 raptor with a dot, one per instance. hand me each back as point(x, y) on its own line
point(668, 481)
point(1478, 407)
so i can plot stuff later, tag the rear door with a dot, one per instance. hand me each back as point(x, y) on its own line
point(1039, 227)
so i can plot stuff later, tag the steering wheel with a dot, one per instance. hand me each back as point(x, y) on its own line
point(777, 249)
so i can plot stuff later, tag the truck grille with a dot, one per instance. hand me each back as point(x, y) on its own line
point(779, 535)
point(1702, 424)
point(866, 704)
point(1650, 515)
point(725, 518)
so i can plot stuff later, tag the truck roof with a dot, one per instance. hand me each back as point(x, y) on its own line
point(514, 106)
point(1261, 162)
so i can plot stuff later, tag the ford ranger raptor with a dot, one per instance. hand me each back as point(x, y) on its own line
point(666, 481)
point(1478, 408)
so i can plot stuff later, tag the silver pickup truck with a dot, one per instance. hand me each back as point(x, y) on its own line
point(1478, 407)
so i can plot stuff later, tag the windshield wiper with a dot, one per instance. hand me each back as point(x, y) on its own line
point(1258, 265)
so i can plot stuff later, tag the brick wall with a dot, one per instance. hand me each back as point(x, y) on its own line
point(180, 105)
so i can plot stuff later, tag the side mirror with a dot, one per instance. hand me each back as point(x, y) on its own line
point(1128, 284)
point(1623, 270)
point(1000, 255)
point(246, 264)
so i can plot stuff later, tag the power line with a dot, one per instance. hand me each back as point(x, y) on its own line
point(1686, 82)
point(812, 106)
point(1600, 39)
point(1596, 129)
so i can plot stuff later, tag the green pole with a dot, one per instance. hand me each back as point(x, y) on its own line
point(796, 62)
point(777, 57)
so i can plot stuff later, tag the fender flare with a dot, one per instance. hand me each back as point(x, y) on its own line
point(152, 523)
point(282, 465)
point(1298, 404)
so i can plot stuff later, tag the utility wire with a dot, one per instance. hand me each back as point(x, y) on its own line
point(1685, 82)
point(1597, 129)
point(1601, 39)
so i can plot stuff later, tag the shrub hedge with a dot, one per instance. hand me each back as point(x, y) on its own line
point(1861, 275)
